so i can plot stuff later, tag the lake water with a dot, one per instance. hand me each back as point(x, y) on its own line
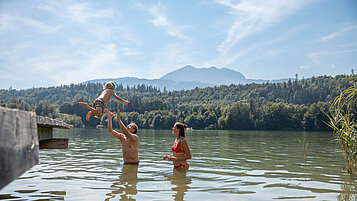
point(225, 165)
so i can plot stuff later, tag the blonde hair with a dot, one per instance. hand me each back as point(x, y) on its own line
point(109, 85)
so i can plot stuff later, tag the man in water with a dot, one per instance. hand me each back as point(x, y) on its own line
point(128, 138)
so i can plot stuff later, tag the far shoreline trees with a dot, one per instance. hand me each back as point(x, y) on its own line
point(293, 105)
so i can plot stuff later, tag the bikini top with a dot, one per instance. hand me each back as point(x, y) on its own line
point(177, 148)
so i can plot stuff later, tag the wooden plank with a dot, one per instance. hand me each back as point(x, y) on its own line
point(54, 143)
point(44, 133)
point(51, 123)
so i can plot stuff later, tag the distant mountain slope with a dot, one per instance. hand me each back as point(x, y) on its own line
point(189, 77)
point(170, 85)
point(210, 75)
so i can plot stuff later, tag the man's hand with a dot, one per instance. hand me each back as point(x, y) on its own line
point(109, 114)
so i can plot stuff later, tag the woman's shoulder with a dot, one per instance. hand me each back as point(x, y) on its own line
point(183, 140)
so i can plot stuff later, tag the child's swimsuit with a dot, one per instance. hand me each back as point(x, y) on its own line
point(99, 102)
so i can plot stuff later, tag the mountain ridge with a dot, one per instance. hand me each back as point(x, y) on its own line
point(189, 77)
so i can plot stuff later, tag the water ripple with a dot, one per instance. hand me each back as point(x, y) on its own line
point(231, 165)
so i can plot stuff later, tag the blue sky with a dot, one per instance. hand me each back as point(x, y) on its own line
point(49, 43)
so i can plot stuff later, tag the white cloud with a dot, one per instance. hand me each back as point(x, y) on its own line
point(6, 23)
point(304, 67)
point(83, 12)
point(349, 44)
point(40, 26)
point(254, 16)
point(10, 22)
point(104, 57)
point(339, 32)
point(171, 57)
point(76, 12)
point(314, 56)
point(86, 16)
point(161, 20)
point(231, 57)
point(130, 52)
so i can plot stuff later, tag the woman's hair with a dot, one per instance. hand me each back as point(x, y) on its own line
point(182, 128)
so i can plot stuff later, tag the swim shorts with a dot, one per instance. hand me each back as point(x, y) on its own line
point(99, 102)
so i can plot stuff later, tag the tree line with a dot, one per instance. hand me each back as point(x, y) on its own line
point(294, 105)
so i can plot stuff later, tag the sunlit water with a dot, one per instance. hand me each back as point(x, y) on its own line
point(225, 165)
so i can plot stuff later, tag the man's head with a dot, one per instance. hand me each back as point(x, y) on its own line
point(132, 128)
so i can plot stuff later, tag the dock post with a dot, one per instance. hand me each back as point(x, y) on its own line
point(19, 143)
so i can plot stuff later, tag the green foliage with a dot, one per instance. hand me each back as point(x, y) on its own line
point(74, 120)
point(45, 108)
point(293, 105)
point(342, 119)
point(19, 104)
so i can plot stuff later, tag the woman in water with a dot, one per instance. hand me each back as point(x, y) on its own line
point(180, 149)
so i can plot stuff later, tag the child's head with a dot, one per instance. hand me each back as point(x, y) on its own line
point(109, 85)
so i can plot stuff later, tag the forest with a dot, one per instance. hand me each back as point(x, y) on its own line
point(293, 105)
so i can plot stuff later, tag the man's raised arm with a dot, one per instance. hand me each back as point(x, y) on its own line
point(110, 125)
point(124, 129)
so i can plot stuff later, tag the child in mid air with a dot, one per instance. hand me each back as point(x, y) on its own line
point(104, 98)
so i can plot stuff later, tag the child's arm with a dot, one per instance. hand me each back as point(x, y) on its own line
point(124, 130)
point(120, 99)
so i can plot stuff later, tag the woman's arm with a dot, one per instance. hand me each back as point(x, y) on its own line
point(186, 150)
point(186, 156)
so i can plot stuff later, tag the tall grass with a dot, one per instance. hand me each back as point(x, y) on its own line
point(342, 119)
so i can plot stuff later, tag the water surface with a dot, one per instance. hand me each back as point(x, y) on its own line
point(226, 165)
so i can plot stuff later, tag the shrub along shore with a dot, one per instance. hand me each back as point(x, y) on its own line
point(293, 105)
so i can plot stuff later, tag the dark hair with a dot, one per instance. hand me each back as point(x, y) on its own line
point(135, 128)
point(182, 128)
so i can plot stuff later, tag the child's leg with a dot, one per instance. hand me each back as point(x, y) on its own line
point(89, 114)
point(98, 112)
point(87, 106)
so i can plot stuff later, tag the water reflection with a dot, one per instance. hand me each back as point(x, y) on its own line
point(348, 189)
point(180, 183)
point(126, 188)
point(226, 165)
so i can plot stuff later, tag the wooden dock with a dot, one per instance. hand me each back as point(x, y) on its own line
point(22, 134)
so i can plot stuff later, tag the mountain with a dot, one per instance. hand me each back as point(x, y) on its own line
point(170, 85)
point(189, 77)
point(210, 75)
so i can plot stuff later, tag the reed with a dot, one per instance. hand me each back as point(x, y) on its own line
point(304, 146)
point(342, 119)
